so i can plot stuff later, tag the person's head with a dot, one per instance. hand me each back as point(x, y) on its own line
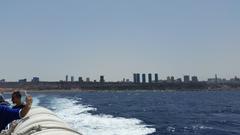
point(16, 97)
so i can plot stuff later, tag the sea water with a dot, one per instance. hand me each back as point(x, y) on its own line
point(146, 112)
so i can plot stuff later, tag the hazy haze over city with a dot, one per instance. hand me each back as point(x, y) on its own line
point(51, 39)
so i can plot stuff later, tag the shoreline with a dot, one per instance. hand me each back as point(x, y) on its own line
point(136, 90)
point(114, 86)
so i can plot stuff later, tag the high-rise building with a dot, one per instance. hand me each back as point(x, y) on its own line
point(138, 78)
point(87, 79)
point(66, 78)
point(143, 78)
point(216, 78)
point(149, 78)
point(194, 79)
point(102, 79)
point(186, 78)
point(134, 77)
point(72, 79)
point(168, 79)
point(172, 79)
point(156, 77)
point(80, 79)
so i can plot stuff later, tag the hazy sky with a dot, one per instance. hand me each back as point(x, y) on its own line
point(115, 38)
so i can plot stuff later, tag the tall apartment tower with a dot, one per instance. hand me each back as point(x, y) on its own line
point(149, 78)
point(216, 78)
point(66, 78)
point(156, 77)
point(186, 78)
point(172, 79)
point(168, 79)
point(72, 79)
point(138, 78)
point(102, 79)
point(80, 79)
point(134, 77)
point(194, 79)
point(143, 78)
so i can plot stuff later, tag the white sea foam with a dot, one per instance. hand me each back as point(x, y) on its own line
point(79, 117)
point(36, 101)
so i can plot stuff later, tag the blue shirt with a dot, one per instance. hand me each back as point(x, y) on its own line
point(7, 115)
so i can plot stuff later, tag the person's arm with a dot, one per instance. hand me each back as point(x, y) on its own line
point(27, 107)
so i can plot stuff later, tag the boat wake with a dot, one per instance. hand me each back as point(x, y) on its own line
point(80, 118)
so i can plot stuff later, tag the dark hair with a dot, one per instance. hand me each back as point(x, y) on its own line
point(17, 94)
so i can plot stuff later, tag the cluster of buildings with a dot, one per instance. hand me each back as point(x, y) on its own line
point(148, 78)
point(34, 80)
point(80, 79)
point(141, 78)
point(218, 80)
point(139, 81)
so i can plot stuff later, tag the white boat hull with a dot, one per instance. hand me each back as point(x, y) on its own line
point(41, 121)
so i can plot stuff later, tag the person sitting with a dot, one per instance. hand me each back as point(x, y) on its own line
point(16, 99)
point(3, 101)
point(7, 114)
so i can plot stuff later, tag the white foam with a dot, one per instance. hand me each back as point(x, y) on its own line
point(79, 117)
point(36, 101)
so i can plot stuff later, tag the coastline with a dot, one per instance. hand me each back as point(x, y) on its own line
point(114, 86)
point(136, 90)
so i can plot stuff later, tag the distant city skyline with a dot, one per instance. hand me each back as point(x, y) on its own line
point(136, 78)
point(52, 39)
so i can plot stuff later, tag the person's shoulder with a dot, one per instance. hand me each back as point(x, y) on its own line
point(22, 105)
point(5, 104)
point(5, 108)
point(2, 106)
point(18, 107)
point(14, 107)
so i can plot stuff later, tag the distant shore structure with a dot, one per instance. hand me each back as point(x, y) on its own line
point(137, 78)
point(143, 78)
point(102, 79)
point(66, 79)
point(139, 81)
point(156, 77)
point(149, 78)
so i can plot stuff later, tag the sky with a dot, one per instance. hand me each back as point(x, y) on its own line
point(116, 38)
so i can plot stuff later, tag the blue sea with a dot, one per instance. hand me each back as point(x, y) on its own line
point(146, 112)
